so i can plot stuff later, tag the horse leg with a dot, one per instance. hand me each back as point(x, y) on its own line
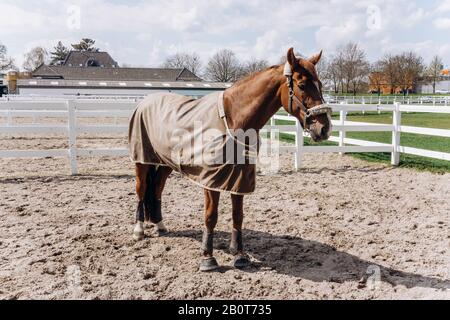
point(208, 262)
point(240, 259)
point(158, 184)
point(149, 195)
point(141, 187)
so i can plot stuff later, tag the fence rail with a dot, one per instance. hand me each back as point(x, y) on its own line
point(72, 110)
point(390, 100)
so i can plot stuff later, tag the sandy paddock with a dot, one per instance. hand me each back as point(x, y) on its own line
point(339, 228)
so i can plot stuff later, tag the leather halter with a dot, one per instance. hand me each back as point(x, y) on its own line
point(309, 112)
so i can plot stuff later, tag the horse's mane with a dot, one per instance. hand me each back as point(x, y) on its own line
point(254, 75)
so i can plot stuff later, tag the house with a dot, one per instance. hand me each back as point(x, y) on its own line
point(378, 83)
point(3, 87)
point(442, 84)
point(89, 59)
point(97, 73)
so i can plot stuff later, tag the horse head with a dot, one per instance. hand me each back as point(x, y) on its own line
point(302, 97)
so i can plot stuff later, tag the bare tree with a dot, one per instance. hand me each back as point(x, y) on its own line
point(34, 58)
point(353, 66)
point(390, 65)
point(252, 66)
point(322, 68)
point(85, 44)
point(5, 61)
point(410, 69)
point(434, 70)
point(333, 75)
point(190, 61)
point(223, 66)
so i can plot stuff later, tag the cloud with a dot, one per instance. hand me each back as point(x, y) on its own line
point(145, 32)
point(330, 37)
point(442, 23)
point(444, 6)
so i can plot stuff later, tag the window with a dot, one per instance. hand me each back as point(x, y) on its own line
point(92, 63)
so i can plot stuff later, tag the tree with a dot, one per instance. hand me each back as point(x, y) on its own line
point(322, 68)
point(335, 71)
point(59, 54)
point(252, 66)
point(190, 61)
point(410, 69)
point(5, 61)
point(223, 66)
point(353, 66)
point(34, 58)
point(434, 70)
point(390, 65)
point(333, 75)
point(85, 44)
point(376, 77)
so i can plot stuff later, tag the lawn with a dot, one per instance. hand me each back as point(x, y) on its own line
point(439, 121)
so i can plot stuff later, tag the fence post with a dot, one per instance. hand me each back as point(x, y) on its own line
point(342, 118)
point(298, 145)
point(396, 122)
point(272, 133)
point(9, 118)
point(72, 128)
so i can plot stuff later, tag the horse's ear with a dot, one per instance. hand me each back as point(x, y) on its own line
point(291, 58)
point(315, 58)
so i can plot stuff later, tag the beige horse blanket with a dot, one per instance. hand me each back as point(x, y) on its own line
point(191, 137)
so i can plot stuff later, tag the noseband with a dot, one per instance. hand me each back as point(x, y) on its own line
point(309, 112)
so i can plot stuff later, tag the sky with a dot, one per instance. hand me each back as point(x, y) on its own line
point(144, 33)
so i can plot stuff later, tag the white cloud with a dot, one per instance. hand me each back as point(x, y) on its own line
point(444, 6)
point(145, 32)
point(442, 23)
point(330, 37)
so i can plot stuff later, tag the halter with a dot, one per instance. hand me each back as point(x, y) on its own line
point(309, 112)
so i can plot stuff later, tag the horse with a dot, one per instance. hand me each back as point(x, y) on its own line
point(247, 105)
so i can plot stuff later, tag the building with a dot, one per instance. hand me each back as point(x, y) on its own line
point(3, 87)
point(97, 73)
point(378, 83)
point(13, 77)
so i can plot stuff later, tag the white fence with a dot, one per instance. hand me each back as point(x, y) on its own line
point(347, 145)
point(436, 100)
point(92, 108)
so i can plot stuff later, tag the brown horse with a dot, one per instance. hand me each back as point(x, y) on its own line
point(248, 104)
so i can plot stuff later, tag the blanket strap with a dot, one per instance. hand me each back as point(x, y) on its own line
point(223, 116)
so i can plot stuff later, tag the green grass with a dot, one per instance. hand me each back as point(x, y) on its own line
point(416, 119)
point(386, 95)
point(441, 121)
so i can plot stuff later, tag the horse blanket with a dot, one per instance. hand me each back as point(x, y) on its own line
point(191, 136)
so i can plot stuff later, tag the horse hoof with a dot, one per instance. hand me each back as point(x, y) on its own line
point(162, 230)
point(241, 261)
point(138, 232)
point(138, 236)
point(209, 264)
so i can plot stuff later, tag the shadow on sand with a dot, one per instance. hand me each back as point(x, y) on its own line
point(313, 260)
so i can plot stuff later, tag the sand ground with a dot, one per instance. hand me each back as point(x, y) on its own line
point(339, 228)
